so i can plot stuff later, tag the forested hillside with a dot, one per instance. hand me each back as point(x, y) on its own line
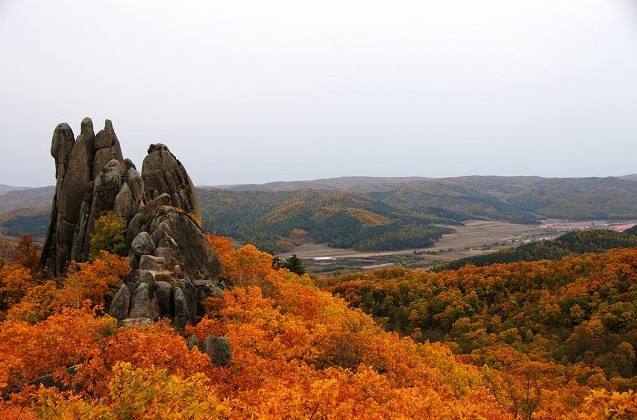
point(31, 221)
point(521, 199)
point(277, 221)
point(576, 315)
point(300, 352)
point(577, 242)
point(372, 214)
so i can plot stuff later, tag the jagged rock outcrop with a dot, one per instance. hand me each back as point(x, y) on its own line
point(55, 250)
point(107, 148)
point(174, 267)
point(90, 175)
point(163, 173)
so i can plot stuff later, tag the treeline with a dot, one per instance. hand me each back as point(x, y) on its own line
point(575, 311)
point(392, 237)
point(572, 243)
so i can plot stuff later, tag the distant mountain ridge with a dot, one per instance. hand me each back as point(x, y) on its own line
point(27, 198)
point(365, 212)
point(346, 184)
point(8, 188)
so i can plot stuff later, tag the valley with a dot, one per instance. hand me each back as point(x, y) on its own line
point(475, 237)
point(354, 223)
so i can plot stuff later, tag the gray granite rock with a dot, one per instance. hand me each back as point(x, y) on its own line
point(144, 303)
point(163, 173)
point(120, 306)
point(165, 298)
point(143, 244)
point(124, 203)
point(219, 350)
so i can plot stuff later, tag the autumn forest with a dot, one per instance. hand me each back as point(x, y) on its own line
point(318, 210)
point(531, 340)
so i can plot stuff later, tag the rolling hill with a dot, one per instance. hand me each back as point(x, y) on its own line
point(279, 220)
point(517, 199)
point(33, 221)
point(25, 199)
point(522, 199)
point(373, 213)
point(8, 188)
point(353, 184)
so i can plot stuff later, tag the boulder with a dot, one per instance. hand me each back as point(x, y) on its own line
point(125, 205)
point(61, 147)
point(144, 303)
point(165, 297)
point(180, 305)
point(79, 250)
point(146, 276)
point(192, 342)
point(219, 350)
point(142, 244)
point(120, 306)
point(87, 136)
point(167, 255)
point(145, 216)
point(190, 293)
point(107, 186)
point(150, 262)
point(136, 185)
point(208, 287)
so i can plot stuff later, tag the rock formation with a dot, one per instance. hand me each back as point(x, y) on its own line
point(85, 185)
point(174, 266)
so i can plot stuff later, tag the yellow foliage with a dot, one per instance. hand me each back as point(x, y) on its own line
point(298, 352)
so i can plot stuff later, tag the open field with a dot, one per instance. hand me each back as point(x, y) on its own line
point(474, 238)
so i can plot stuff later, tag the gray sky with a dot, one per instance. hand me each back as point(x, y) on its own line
point(261, 91)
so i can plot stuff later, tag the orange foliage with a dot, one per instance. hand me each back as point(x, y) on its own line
point(27, 253)
point(245, 266)
point(95, 281)
point(60, 341)
point(298, 352)
point(87, 283)
point(157, 345)
point(15, 282)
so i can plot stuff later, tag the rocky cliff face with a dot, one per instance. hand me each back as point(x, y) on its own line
point(174, 267)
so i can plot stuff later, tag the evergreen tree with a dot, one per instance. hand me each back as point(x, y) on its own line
point(295, 265)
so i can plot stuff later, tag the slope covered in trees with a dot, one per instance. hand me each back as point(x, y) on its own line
point(522, 199)
point(297, 352)
point(303, 210)
point(277, 221)
point(577, 242)
point(576, 314)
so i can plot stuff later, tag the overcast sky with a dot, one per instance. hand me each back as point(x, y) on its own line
point(248, 92)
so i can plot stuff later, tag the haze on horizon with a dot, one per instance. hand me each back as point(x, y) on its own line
point(252, 92)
